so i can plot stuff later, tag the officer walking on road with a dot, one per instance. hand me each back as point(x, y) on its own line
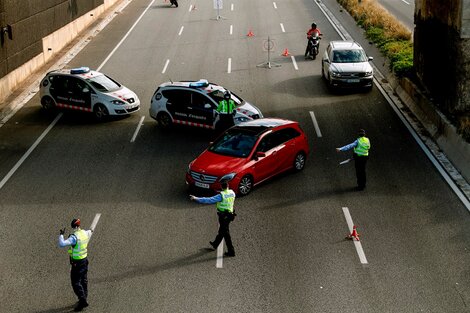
point(361, 154)
point(78, 243)
point(225, 108)
point(225, 200)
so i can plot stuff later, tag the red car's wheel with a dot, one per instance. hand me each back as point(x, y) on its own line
point(299, 161)
point(245, 185)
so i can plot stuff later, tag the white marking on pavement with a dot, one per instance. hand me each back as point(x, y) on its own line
point(220, 255)
point(315, 124)
point(166, 65)
point(30, 150)
point(357, 244)
point(138, 128)
point(406, 2)
point(282, 28)
point(229, 66)
point(181, 31)
point(231, 7)
point(125, 36)
point(294, 62)
point(95, 221)
point(274, 4)
point(231, 29)
point(190, 8)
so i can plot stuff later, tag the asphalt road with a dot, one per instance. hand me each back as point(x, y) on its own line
point(403, 10)
point(148, 252)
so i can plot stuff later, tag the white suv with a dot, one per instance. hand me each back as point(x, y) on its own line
point(194, 103)
point(345, 64)
point(84, 90)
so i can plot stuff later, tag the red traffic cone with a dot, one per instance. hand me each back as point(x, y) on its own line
point(285, 53)
point(250, 33)
point(354, 234)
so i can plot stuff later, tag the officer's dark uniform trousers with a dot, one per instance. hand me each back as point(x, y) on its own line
point(360, 164)
point(224, 232)
point(78, 275)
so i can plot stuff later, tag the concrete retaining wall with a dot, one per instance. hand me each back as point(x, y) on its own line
point(25, 54)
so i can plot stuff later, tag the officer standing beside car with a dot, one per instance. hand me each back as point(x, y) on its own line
point(225, 200)
point(78, 252)
point(225, 109)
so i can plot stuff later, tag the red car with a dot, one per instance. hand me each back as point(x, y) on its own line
point(248, 154)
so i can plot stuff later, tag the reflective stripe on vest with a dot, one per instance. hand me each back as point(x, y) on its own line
point(79, 251)
point(227, 106)
point(228, 198)
point(363, 146)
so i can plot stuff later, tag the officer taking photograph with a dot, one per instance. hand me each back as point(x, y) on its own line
point(225, 200)
point(78, 243)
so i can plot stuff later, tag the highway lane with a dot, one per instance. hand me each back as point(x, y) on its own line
point(403, 10)
point(148, 254)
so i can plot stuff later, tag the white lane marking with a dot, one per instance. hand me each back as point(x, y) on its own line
point(282, 28)
point(274, 4)
point(220, 255)
point(125, 36)
point(95, 221)
point(294, 62)
point(138, 128)
point(405, 2)
point(30, 150)
point(231, 7)
point(357, 244)
point(190, 8)
point(315, 124)
point(231, 29)
point(229, 66)
point(166, 65)
point(181, 31)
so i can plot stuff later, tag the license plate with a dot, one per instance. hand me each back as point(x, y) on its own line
point(353, 80)
point(202, 185)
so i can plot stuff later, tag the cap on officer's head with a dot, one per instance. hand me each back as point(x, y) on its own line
point(361, 132)
point(227, 94)
point(75, 223)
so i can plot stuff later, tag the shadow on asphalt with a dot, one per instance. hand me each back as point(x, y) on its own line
point(138, 271)
point(68, 308)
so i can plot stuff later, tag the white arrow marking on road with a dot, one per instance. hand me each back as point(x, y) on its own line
point(357, 244)
point(315, 124)
point(220, 255)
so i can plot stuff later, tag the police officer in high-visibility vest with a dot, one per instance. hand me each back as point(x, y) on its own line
point(361, 154)
point(225, 200)
point(78, 244)
point(225, 109)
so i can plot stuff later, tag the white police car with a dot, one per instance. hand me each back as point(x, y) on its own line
point(194, 103)
point(84, 90)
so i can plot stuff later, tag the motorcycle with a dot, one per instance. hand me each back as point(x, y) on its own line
point(174, 2)
point(313, 45)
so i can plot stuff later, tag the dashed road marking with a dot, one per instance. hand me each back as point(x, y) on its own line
point(231, 29)
point(220, 255)
point(166, 66)
point(315, 124)
point(357, 244)
point(95, 221)
point(282, 28)
point(229, 65)
point(181, 31)
point(138, 128)
point(294, 62)
point(274, 4)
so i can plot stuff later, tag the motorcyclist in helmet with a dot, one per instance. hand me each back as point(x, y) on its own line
point(310, 32)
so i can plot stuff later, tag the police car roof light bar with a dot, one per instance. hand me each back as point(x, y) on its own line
point(199, 83)
point(80, 70)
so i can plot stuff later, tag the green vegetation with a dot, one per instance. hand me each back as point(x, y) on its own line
point(391, 37)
